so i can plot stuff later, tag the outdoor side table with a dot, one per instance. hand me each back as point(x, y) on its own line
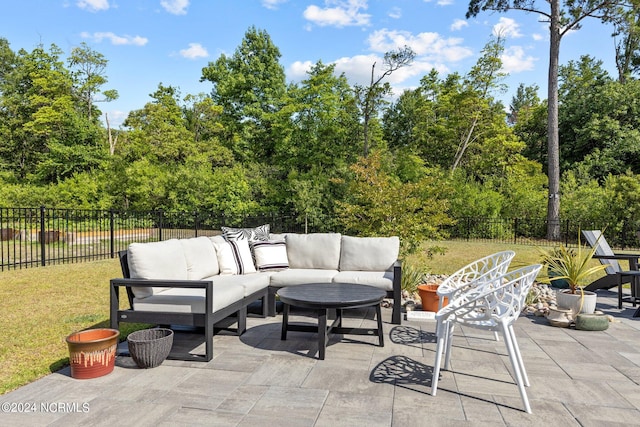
point(323, 297)
point(634, 275)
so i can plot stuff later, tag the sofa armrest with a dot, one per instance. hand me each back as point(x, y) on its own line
point(116, 284)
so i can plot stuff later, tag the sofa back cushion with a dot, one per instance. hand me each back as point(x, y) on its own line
point(318, 250)
point(201, 258)
point(368, 253)
point(156, 260)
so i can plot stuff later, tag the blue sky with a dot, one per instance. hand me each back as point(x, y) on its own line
point(148, 42)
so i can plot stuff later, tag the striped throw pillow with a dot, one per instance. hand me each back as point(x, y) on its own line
point(270, 255)
point(251, 234)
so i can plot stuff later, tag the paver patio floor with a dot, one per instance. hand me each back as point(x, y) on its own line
point(577, 378)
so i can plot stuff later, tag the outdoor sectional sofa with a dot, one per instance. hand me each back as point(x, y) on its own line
point(173, 282)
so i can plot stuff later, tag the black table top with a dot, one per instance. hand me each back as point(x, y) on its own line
point(331, 295)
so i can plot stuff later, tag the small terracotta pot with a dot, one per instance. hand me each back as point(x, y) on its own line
point(92, 353)
point(429, 297)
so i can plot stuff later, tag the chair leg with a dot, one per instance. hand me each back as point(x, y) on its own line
point(496, 336)
point(523, 371)
point(439, 350)
point(448, 341)
point(516, 367)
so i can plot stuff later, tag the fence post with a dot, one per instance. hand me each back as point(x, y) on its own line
point(515, 230)
point(195, 223)
point(112, 236)
point(566, 232)
point(161, 215)
point(43, 252)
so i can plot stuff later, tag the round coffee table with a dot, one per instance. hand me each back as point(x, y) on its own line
point(325, 296)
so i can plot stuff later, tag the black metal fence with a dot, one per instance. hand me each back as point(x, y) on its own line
point(31, 237)
point(532, 231)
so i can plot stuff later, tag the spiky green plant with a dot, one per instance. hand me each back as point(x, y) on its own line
point(571, 264)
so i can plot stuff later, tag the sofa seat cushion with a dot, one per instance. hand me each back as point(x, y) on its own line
point(296, 276)
point(202, 260)
point(368, 253)
point(156, 260)
point(313, 251)
point(189, 300)
point(379, 279)
point(251, 283)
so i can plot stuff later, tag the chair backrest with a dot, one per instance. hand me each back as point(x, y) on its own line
point(498, 300)
point(595, 237)
point(472, 274)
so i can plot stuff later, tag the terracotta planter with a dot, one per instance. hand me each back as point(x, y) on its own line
point(576, 303)
point(429, 297)
point(92, 353)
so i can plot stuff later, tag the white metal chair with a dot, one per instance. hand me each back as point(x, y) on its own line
point(492, 305)
point(474, 274)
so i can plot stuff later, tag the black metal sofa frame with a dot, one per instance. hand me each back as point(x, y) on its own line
point(222, 319)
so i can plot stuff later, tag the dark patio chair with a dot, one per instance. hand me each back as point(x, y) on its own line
point(607, 257)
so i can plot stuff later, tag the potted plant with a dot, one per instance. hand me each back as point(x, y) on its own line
point(572, 266)
point(412, 276)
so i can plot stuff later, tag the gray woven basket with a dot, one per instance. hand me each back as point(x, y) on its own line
point(150, 347)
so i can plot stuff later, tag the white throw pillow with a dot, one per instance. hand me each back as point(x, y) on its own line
point(234, 257)
point(271, 255)
point(368, 253)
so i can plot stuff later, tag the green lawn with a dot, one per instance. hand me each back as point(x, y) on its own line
point(41, 306)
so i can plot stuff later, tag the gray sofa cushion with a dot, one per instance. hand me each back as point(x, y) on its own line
point(201, 258)
point(379, 279)
point(189, 300)
point(314, 251)
point(156, 260)
point(251, 282)
point(368, 253)
point(300, 276)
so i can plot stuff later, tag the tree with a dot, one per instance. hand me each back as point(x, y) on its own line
point(88, 72)
point(370, 98)
point(526, 97)
point(627, 42)
point(249, 86)
point(44, 138)
point(378, 203)
point(562, 18)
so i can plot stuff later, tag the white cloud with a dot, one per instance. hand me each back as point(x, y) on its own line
point(514, 60)
point(458, 24)
point(93, 5)
point(395, 13)
point(175, 7)
point(298, 70)
point(343, 13)
point(537, 37)
point(357, 69)
point(115, 39)
point(507, 27)
point(444, 2)
point(272, 4)
point(194, 51)
point(431, 45)
point(116, 118)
